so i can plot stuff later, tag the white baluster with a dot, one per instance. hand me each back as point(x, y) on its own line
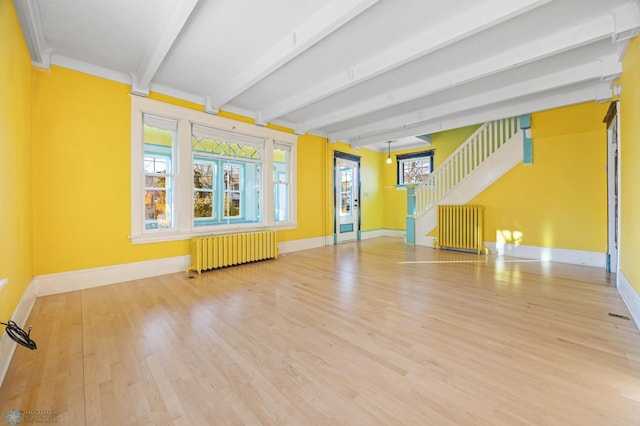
point(486, 149)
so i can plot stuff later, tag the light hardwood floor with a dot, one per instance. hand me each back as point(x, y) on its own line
point(338, 335)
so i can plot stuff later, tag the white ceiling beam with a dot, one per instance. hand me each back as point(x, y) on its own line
point(166, 34)
point(436, 37)
point(524, 107)
point(626, 21)
point(554, 100)
point(29, 17)
point(605, 68)
point(325, 21)
point(570, 38)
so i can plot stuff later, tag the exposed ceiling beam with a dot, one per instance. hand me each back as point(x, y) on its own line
point(570, 38)
point(166, 34)
point(606, 68)
point(626, 21)
point(435, 38)
point(29, 16)
point(329, 18)
point(554, 100)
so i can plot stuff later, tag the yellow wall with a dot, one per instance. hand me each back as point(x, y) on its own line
point(82, 184)
point(560, 200)
point(16, 218)
point(395, 200)
point(70, 166)
point(81, 143)
point(311, 190)
point(630, 165)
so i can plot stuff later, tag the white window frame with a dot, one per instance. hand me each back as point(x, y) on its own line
point(183, 197)
point(288, 176)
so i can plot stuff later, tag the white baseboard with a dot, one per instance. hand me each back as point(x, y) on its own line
point(576, 257)
point(20, 317)
point(397, 233)
point(427, 241)
point(298, 245)
point(629, 296)
point(95, 277)
point(366, 235)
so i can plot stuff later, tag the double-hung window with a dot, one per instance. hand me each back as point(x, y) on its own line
point(194, 173)
point(281, 181)
point(159, 143)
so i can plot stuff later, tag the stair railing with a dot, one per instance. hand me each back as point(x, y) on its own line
point(463, 161)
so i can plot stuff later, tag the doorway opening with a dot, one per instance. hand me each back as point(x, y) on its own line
point(346, 183)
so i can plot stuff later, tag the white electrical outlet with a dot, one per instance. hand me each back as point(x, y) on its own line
point(3, 282)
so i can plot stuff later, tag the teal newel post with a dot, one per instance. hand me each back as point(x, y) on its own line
point(527, 142)
point(411, 214)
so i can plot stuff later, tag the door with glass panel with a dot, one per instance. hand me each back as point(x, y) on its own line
point(347, 198)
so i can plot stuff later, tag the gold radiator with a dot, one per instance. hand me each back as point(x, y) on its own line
point(216, 251)
point(461, 228)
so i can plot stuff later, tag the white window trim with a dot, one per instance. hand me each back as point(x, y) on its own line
point(183, 207)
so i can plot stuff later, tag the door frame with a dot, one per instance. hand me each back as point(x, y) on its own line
point(354, 158)
point(613, 187)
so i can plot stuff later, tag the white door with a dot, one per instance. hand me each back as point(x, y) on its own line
point(347, 211)
point(612, 120)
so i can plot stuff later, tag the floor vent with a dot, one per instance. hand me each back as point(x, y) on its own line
point(611, 314)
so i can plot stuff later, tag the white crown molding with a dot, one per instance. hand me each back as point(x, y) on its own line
point(434, 38)
point(20, 316)
point(86, 68)
point(176, 93)
point(201, 100)
point(326, 20)
point(166, 34)
point(29, 16)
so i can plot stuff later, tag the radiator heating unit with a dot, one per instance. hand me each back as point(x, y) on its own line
point(217, 251)
point(461, 228)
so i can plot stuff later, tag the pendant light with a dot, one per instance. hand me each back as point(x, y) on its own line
point(389, 153)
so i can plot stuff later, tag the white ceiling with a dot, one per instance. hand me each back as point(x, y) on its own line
point(359, 71)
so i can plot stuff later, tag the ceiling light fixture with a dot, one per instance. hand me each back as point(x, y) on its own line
point(389, 154)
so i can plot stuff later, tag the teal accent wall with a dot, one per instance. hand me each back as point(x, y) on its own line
point(411, 215)
point(527, 142)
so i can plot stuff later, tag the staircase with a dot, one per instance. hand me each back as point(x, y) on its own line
point(490, 152)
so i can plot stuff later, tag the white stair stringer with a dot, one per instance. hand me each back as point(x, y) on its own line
point(492, 169)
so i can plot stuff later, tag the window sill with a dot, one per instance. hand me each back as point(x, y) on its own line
point(161, 237)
